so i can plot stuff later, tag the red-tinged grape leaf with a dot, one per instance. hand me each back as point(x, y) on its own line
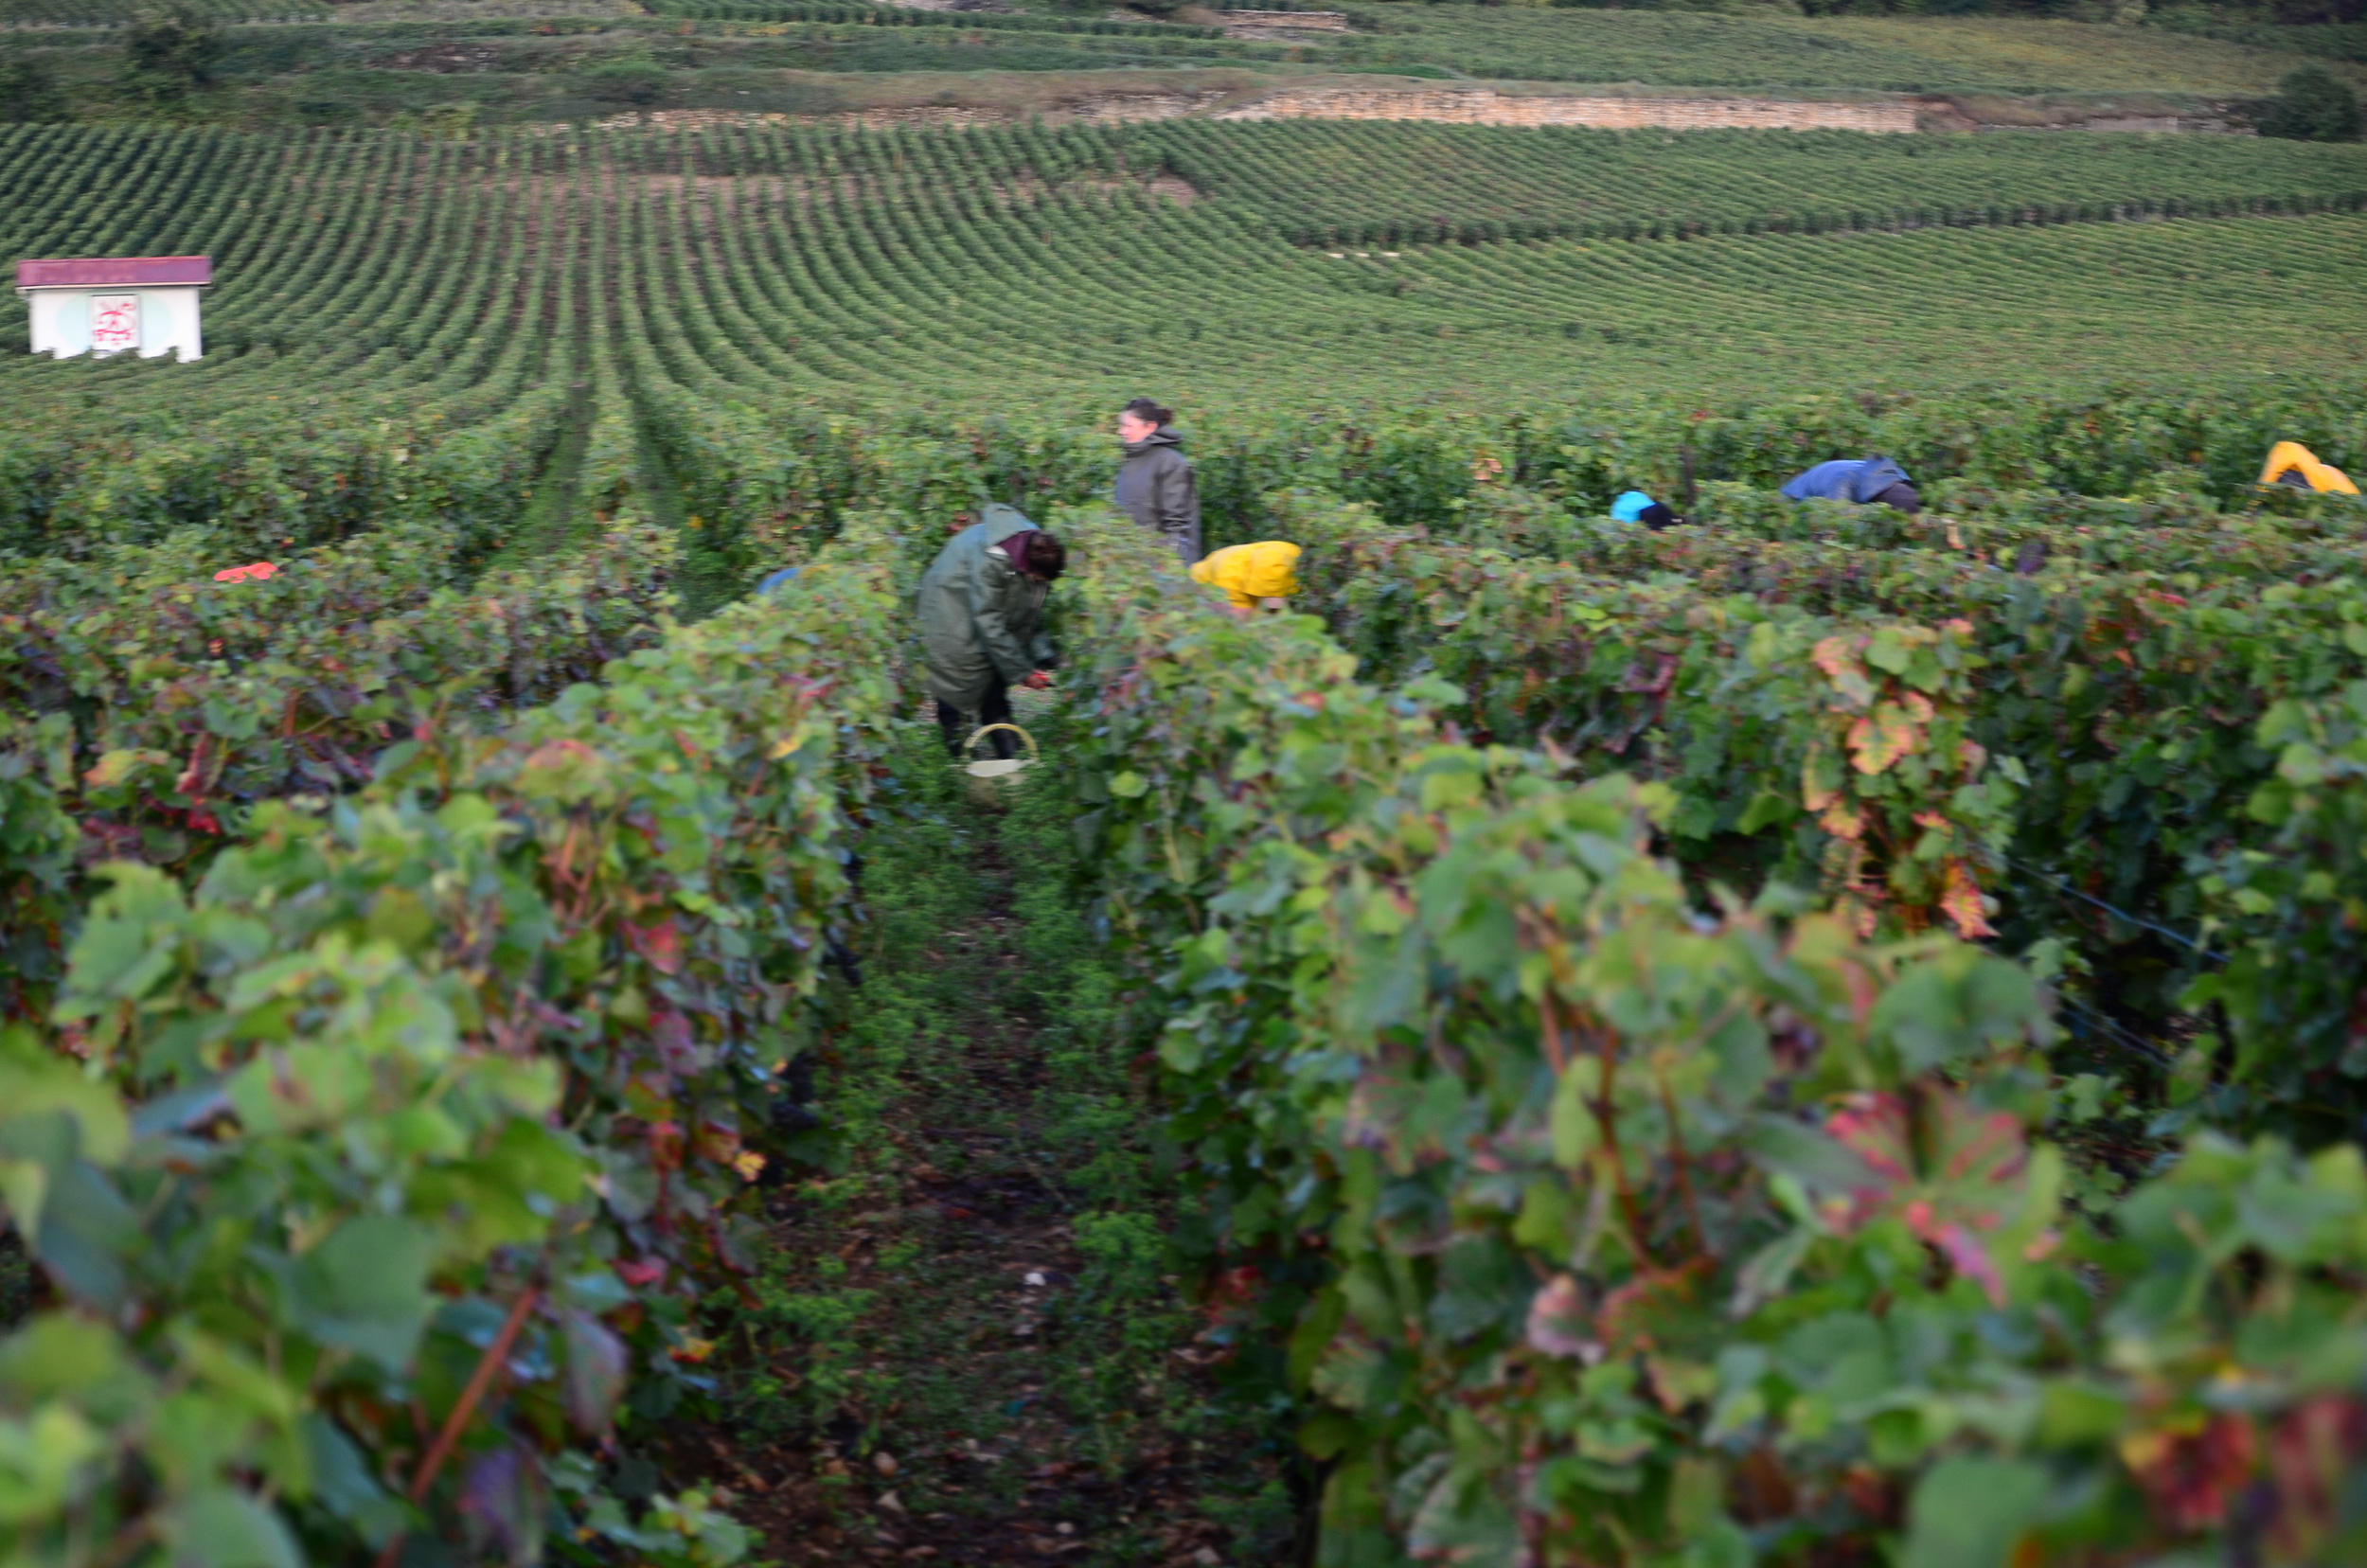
point(1874, 1127)
point(1559, 1324)
point(677, 1046)
point(1838, 659)
point(661, 944)
point(2312, 1454)
point(1964, 1248)
point(1655, 1311)
point(2190, 1470)
point(1845, 822)
point(117, 766)
point(1960, 901)
point(1946, 1168)
point(1882, 737)
point(665, 1145)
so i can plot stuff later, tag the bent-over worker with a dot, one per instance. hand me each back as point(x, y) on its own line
point(1863, 481)
point(981, 608)
point(1257, 576)
point(1636, 507)
point(2296, 467)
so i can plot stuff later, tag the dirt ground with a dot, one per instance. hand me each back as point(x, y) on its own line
point(940, 1372)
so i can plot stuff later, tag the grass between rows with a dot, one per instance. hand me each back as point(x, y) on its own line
point(970, 1343)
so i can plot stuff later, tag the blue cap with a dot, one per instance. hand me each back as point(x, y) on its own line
point(776, 579)
point(1630, 507)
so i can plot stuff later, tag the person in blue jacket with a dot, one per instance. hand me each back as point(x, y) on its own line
point(1869, 481)
point(1636, 507)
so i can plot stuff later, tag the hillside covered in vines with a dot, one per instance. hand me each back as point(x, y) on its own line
point(1814, 1036)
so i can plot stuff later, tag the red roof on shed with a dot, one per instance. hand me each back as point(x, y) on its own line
point(115, 271)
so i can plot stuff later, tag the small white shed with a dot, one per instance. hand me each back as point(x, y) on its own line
point(106, 305)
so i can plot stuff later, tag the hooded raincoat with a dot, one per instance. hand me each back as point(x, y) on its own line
point(981, 617)
point(1845, 479)
point(1631, 507)
point(1156, 489)
point(2295, 466)
point(1248, 573)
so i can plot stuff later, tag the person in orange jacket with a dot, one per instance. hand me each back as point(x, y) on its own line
point(2296, 467)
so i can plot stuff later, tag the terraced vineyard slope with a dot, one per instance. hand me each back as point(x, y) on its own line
point(381, 60)
point(1816, 1035)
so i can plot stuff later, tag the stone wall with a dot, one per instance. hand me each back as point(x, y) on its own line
point(1455, 105)
point(1135, 106)
point(1294, 21)
point(1485, 106)
point(2154, 123)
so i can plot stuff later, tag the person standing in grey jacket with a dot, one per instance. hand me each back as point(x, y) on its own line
point(1156, 484)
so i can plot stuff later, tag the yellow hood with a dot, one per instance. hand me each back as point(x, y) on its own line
point(2288, 456)
point(1248, 573)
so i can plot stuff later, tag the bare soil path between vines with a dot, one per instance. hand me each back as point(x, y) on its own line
point(938, 1373)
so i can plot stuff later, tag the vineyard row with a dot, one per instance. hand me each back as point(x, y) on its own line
point(1580, 1212)
point(1595, 1225)
point(400, 318)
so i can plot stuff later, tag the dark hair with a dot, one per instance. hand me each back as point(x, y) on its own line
point(1903, 497)
point(1656, 517)
point(1047, 558)
point(2031, 560)
point(1151, 413)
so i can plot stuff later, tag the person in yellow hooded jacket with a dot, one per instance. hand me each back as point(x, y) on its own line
point(2296, 467)
point(1251, 575)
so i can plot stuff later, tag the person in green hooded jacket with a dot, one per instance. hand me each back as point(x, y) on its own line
point(981, 609)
